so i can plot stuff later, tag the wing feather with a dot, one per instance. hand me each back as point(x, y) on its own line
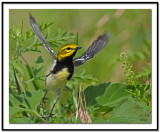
point(40, 36)
point(95, 48)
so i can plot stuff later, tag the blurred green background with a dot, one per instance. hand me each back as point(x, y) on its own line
point(128, 31)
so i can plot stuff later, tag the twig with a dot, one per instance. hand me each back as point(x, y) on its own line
point(86, 113)
point(82, 101)
point(71, 115)
point(77, 108)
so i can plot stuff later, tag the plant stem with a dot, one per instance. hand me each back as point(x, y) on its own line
point(30, 73)
point(18, 86)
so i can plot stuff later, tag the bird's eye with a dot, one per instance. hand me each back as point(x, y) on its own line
point(68, 48)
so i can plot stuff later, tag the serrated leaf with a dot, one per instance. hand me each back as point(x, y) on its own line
point(32, 99)
point(112, 94)
point(92, 92)
point(142, 105)
point(14, 102)
point(128, 111)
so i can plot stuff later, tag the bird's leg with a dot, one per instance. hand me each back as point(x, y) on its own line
point(42, 101)
point(55, 101)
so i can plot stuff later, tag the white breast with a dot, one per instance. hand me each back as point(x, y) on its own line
point(57, 81)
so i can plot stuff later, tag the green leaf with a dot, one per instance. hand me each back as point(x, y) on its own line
point(12, 32)
point(60, 38)
point(17, 65)
point(36, 71)
point(76, 39)
point(35, 49)
point(92, 92)
point(14, 102)
point(28, 103)
point(20, 120)
point(31, 74)
point(42, 27)
point(21, 84)
point(142, 105)
point(102, 109)
point(29, 34)
point(40, 60)
point(32, 99)
point(112, 94)
point(128, 111)
point(98, 120)
point(38, 66)
point(80, 75)
point(81, 72)
point(57, 33)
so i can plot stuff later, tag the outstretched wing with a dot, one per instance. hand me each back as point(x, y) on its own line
point(95, 48)
point(40, 36)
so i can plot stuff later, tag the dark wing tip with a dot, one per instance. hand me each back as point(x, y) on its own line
point(105, 36)
point(95, 48)
point(107, 33)
point(30, 15)
point(39, 34)
point(99, 44)
point(32, 20)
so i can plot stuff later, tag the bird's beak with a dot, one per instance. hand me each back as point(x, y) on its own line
point(77, 48)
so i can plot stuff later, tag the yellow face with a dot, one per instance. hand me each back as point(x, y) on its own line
point(67, 50)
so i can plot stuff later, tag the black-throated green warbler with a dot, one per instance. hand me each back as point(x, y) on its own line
point(63, 65)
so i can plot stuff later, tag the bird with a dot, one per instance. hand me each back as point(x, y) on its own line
point(64, 64)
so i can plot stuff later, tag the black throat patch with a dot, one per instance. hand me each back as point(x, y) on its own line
point(64, 63)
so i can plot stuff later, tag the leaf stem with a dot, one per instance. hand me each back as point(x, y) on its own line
point(15, 77)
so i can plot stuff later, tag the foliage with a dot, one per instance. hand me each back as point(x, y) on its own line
point(91, 100)
point(106, 106)
point(113, 108)
point(140, 91)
